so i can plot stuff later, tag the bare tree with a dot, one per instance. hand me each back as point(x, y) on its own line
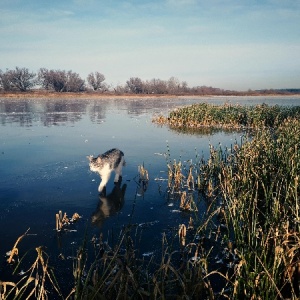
point(23, 80)
point(19, 79)
point(5, 81)
point(173, 85)
point(184, 87)
point(60, 80)
point(52, 79)
point(135, 85)
point(158, 86)
point(95, 80)
point(120, 89)
point(74, 82)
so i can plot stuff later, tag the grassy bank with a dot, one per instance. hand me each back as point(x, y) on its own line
point(80, 95)
point(97, 94)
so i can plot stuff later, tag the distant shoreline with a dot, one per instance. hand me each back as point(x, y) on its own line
point(91, 95)
point(83, 95)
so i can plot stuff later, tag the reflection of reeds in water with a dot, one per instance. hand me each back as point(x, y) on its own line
point(143, 180)
point(190, 182)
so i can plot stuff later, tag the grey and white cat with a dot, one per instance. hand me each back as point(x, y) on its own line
point(104, 164)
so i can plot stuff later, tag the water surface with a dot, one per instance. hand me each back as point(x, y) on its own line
point(43, 167)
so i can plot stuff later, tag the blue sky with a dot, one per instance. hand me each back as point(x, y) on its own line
point(230, 44)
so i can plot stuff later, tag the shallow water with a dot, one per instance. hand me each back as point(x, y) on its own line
point(43, 167)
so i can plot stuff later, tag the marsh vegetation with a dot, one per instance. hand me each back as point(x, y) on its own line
point(245, 244)
point(228, 116)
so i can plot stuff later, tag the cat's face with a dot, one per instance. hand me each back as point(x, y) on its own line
point(93, 163)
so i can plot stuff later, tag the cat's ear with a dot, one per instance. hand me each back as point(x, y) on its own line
point(90, 157)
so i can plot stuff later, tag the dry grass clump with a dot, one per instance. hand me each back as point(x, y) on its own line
point(62, 221)
point(34, 282)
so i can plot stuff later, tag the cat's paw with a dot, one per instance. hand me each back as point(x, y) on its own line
point(102, 191)
point(118, 180)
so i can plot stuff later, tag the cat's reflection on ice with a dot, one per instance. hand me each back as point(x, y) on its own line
point(109, 204)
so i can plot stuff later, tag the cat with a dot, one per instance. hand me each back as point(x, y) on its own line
point(104, 164)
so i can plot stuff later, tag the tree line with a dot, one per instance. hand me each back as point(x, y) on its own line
point(23, 80)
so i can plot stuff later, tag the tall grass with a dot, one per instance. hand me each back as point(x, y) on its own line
point(118, 273)
point(260, 188)
point(258, 182)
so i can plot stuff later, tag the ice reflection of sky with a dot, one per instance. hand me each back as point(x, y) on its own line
point(44, 169)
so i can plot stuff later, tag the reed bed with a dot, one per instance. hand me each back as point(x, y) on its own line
point(257, 185)
point(260, 188)
point(227, 116)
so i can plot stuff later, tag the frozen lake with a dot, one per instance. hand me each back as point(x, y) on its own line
point(44, 169)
